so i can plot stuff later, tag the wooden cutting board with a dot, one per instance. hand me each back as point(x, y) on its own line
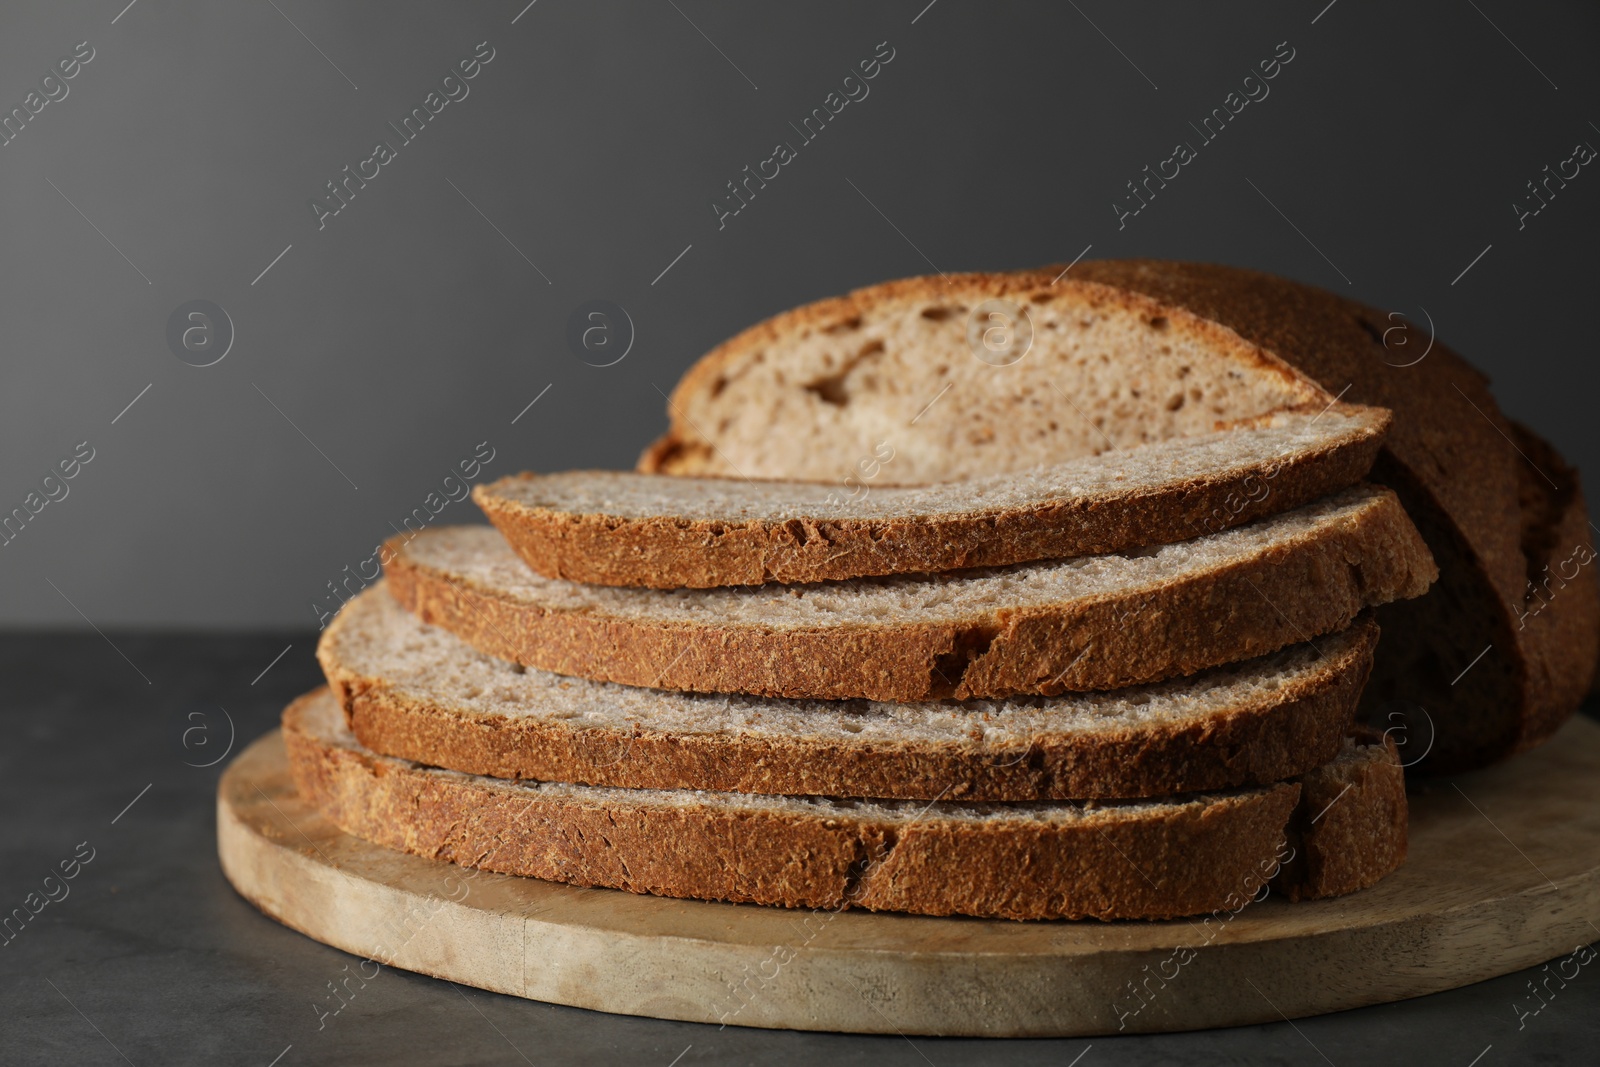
point(1504, 873)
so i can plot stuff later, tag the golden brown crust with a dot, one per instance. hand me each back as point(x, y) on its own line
point(1309, 586)
point(670, 552)
point(1163, 862)
point(1350, 827)
point(1277, 735)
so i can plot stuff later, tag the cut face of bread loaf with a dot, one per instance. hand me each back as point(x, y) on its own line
point(417, 692)
point(1111, 860)
point(1097, 622)
point(618, 528)
point(809, 393)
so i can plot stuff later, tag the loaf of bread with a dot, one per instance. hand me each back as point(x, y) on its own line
point(1124, 353)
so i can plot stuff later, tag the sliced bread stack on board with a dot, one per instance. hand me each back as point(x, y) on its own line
point(1091, 643)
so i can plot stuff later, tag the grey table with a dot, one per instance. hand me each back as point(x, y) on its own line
point(151, 958)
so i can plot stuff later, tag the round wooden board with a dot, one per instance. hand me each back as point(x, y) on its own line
point(1504, 873)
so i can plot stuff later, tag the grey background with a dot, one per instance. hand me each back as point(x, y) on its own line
point(408, 330)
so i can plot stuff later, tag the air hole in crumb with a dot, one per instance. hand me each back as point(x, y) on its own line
point(1175, 402)
point(1043, 296)
point(1158, 323)
point(851, 727)
point(939, 314)
point(830, 390)
point(718, 386)
point(844, 325)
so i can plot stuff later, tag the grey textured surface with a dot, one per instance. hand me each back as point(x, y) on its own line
point(152, 958)
point(379, 350)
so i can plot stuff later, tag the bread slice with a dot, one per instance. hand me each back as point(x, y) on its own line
point(619, 528)
point(1127, 352)
point(1108, 860)
point(1097, 622)
point(417, 692)
point(1348, 829)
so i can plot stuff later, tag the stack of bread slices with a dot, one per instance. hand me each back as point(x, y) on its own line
point(884, 623)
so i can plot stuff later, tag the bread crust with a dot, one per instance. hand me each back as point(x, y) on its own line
point(1174, 860)
point(1451, 455)
point(1350, 828)
point(1270, 737)
point(1310, 584)
point(671, 552)
point(1558, 627)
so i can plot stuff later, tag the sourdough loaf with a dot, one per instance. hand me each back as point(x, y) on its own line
point(417, 692)
point(1110, 860)
point(620, 528)
point(1097, 622)
point(1128, 352)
